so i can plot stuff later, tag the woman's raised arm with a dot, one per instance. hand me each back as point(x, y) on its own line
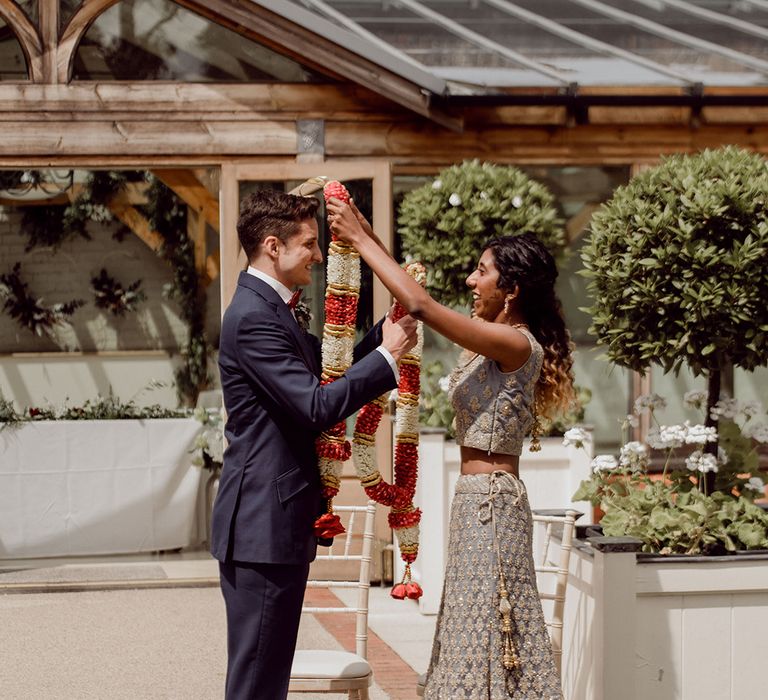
point(499, 341)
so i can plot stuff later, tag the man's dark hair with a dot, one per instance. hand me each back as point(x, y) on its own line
point(271, 213)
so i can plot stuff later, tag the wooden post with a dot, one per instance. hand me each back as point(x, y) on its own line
point(49, 30)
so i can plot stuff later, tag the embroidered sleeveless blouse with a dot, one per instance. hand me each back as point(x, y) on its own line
point(494, 409)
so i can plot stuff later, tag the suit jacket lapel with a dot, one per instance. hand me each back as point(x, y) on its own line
point(285, 316)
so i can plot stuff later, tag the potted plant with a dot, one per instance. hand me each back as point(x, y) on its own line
point(104, 477)
point(676, 267)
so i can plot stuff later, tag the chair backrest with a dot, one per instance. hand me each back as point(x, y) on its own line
point(356, 544)
point(551, 574)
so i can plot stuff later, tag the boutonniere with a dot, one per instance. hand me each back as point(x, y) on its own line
point(303, 315)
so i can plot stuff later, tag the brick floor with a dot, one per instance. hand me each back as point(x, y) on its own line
point(392, 674)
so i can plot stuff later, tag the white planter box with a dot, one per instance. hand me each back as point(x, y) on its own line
point(664, 629)
point(551, 476)
point(97, 487)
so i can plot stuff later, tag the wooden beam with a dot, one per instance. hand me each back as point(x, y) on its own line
point(28, 36)
point(196, 233)
point(211, 267)
point(49, 29)
point(155, 137)
point(186, 185)
point(232, 257)
point(735, 115)
point(639, 115)
point(134, 220)
point(90, 99)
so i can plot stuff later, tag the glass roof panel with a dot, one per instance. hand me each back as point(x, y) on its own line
point(13, 64)
point(701, 65)
point(701, 27)
point(436, 47)
point(424, 41)
point(160, 40)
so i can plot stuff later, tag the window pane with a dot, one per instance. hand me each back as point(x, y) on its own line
point(13, 65)
point(67, 9)
point(30, 9)
point(159, 40)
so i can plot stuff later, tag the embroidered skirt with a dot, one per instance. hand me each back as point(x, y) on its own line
point(467, 654)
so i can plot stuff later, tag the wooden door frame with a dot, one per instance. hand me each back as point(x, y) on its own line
point(232, 257)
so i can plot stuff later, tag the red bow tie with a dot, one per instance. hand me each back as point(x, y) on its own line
point(294, 299)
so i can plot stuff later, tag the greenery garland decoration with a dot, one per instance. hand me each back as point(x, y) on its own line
point(51, 226)
point(29, 311)
point(112, 296)
point(168, 216)
point(445, 223)
point(101, 408)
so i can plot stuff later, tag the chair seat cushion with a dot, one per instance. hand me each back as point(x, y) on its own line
point(319, 663)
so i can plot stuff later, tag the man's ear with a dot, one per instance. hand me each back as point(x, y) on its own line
point(271, 246)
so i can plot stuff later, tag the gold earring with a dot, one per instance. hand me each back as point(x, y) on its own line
point(508, 303)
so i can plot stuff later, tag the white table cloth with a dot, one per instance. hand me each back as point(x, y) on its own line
point(97, 487)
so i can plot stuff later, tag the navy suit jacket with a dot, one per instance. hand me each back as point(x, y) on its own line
point(269, 490)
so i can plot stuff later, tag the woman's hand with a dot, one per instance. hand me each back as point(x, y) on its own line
point(346, 222)
point(367, 228)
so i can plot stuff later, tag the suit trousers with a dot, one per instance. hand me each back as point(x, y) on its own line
point(263, 603)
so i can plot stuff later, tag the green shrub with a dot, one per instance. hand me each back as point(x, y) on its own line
point(444, 224)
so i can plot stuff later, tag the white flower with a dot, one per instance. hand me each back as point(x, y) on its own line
point(200, 415)
point(698, 461)
point(437, 184)
point(604, 463)
point(517, 201)
point(758, 431)
point(650, 402)
point(722, 456)
point(576, 437)
point(695, 399)
point(699, 434)
point(483, 195)
point(755, 484)
point(454, 200)
point(725, 408)
point(666, 437)
point(444, 383)
point(632, 420)
point(752, 408)
point(634, 456)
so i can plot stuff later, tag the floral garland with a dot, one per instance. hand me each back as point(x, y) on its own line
point(332, 447)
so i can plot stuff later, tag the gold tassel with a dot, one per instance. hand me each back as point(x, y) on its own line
point(535, 431)
point(509, 657)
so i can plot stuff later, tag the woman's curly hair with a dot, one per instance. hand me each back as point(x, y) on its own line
point(524, 262)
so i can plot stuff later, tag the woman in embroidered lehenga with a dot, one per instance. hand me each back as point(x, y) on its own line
point(491, 642)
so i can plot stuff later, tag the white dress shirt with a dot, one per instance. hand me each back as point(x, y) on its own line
point(286, 294)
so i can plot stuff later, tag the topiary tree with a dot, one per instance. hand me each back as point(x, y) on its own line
point(445, 223)
point(676, 262)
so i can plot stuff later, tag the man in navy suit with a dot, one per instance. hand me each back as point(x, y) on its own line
point(269, 493)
